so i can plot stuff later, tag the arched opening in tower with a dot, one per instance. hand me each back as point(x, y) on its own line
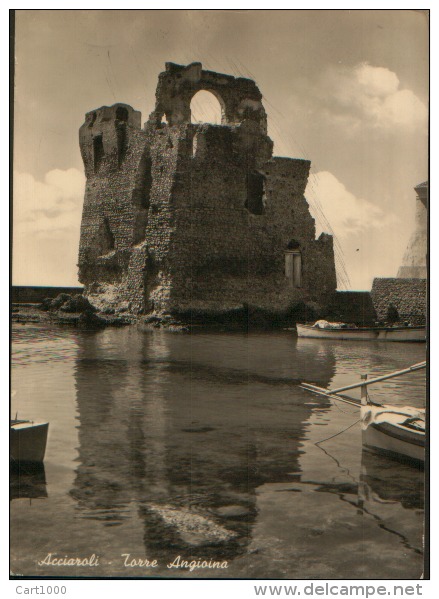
point(205, 108)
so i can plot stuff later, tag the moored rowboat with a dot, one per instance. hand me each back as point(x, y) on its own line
point(398, 433)
point(362, 333)
point(27, 441)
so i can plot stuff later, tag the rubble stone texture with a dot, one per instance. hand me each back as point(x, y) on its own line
point(408, 296)
point(185, 218)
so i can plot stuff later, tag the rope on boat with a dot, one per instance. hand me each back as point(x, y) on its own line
point(339, 433)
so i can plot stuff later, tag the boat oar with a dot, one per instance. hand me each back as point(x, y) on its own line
point(380, 378)
point(333, 393)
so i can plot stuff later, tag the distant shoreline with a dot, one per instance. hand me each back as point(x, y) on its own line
point(35, 294)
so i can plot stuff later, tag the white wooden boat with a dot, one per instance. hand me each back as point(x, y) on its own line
point(362, 333)
point(389, 431)
point(27, 441)
point(397, 432)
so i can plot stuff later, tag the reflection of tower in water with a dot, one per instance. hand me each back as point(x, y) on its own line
point(147, 429)
point(175, 431)
point(187, 506)
point(131, 449)
point(226, 439)
point(102, 369)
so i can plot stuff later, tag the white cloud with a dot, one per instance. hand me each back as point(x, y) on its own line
point(346, 213)
point(46, 226)
point(47, 204)
point(376, 81)
point(404, 108)
point(369, 241)
point(366, 95)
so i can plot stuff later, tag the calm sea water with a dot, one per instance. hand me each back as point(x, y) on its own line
point(203, 446)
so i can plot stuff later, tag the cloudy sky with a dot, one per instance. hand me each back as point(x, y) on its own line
point(346, 89)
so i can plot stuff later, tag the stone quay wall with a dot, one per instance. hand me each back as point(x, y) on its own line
point(407, 296)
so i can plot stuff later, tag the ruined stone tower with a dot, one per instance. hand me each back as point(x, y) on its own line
point(181, 218)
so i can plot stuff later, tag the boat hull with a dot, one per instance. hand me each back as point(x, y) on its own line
point(28, 442)
point(405, 334)
point(395, 441)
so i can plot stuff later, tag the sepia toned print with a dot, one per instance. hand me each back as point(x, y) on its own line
point(219, 294)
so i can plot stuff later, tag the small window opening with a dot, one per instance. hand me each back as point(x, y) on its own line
point(293, 264)
point(194, 145)
point(122, 114)
point(199, 146)
point(106, 237)
point(121, 133)
point(141, 198)
point(92, 119)
point(122, 142)
point(255, 193)
point(142, 190)
point(98, 151)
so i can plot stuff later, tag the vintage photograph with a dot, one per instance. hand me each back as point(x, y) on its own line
point(219, 294)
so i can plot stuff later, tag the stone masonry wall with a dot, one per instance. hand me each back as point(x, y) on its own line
point(110, 211)
point(408, 296)
point(223, 255)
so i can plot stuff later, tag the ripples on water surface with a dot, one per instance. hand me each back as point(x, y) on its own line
point(204, 446)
